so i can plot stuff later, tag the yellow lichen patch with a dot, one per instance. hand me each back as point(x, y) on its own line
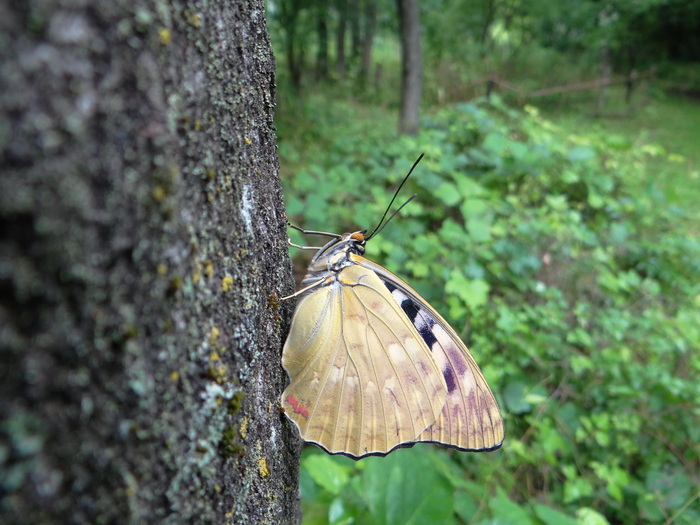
point(193, 19)
point(214, 356)
point(158, 193)
point(197, 274)
point(244, 428)
point(227, 283)
point(162, 269)
point(248, 141)
point(164, 36)
point(273, 301)
point(263, 468)
point(208, 268)
point(175, 284)
point(214, 334)
point(175, 376)
point(217, 373)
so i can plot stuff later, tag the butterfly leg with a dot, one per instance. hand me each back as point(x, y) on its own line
point(289, 241)
point(312, 232)
point(303, 290)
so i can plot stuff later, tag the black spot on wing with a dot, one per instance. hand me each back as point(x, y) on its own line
point(409, 309)
point(426, 332)
point(422, 323)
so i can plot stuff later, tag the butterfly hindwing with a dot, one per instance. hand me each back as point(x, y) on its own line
point(470, 419)
point(363, 380)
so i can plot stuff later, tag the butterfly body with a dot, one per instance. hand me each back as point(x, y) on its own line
point(373, 367)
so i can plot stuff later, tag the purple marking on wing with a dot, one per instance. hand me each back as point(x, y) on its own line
point(449, 379)
point(457, 359)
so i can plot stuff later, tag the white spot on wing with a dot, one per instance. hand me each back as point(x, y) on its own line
point(399, 296)
point(420, 324)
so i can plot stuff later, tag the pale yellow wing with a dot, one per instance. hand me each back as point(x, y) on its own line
point(363, 381)
point(470, 419)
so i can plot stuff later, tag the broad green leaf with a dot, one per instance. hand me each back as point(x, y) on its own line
point(589, 516)
point(406, 488)
point(327, 471)
point(509, 512)
point(551, 516)
point(474, 292)
point(581, 153)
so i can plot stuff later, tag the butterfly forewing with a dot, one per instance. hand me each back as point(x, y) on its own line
point(363, 381)
point(470, 419)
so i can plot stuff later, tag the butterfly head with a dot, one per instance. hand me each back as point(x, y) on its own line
point(348, 243)
point(359, 236)
point(358, 240)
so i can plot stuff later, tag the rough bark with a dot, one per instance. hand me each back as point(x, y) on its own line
point(411, 66)
point(142, 249)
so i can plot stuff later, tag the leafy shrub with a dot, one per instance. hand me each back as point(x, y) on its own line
point(577, 291)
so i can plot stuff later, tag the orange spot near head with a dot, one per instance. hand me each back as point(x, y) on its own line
point(358, 236)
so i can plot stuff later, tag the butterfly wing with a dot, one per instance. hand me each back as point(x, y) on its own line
point(470, 419)
point(363, 381)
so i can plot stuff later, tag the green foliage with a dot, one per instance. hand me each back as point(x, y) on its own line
point(577, 288)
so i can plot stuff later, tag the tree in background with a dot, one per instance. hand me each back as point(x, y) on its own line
point(370, 23)
point(142, 251)
point(411, 66)
point(289, 12)
point(322, 31)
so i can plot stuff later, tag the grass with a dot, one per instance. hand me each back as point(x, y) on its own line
point(667, 126)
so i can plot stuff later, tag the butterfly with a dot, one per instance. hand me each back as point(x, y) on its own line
point(372, 366)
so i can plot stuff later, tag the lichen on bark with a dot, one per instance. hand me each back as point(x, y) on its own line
point(138, 172)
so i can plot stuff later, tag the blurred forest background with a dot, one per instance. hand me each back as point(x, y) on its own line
point(556, 228)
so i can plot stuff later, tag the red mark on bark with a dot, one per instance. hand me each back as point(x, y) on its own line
point(298, 408)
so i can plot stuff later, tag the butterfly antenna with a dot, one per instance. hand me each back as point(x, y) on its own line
point(382, 224)
point(377, 232)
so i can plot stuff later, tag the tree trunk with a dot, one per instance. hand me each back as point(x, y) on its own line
point(411, 66)
point(605, 73)
point(142, 250)
point(322, 30)
point(355, 36)
point(289, 16)
point(489, 16)
point(341, 62)
point(370, 20)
